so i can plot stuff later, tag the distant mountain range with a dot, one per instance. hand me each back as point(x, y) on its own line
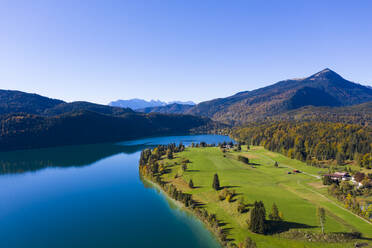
point(136, 103)
point(32, 121)
point(325, 88)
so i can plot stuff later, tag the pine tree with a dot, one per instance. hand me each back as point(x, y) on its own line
point(239, 147)
point(274, 215)
point(258, 218)
point(216, 182)
point(169, 154)
point(191, 184)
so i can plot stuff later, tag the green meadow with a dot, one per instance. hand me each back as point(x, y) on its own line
point(296, 195)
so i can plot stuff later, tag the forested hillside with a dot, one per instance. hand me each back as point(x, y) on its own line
point(325, 88)
point(312, 141)
point(357, 114)
point(32, 121)
point(12, 101)
point(174, 108)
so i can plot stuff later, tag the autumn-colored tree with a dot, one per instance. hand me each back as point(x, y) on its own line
point(312, 141)
point(359, 176)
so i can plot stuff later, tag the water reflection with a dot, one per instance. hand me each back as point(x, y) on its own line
point(82, 155)
point(102, 203)
point(32, 160)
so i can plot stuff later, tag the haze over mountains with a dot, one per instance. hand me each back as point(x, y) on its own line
point(325, 88)
point(136, 103)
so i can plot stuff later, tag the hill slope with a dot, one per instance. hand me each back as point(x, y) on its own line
point(32, 121)
point(174, 108)
point(356, 114)
point(325, 88)
point(12, 101)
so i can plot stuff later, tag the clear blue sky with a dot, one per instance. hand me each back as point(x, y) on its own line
point(177, 50)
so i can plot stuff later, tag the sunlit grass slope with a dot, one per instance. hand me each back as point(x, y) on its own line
point(296, 195)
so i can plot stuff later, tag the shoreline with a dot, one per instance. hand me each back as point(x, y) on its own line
point(184, 208)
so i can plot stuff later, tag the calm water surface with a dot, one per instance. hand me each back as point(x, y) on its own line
point(91, 196)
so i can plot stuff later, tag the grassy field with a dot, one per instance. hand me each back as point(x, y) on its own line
point(296, 195)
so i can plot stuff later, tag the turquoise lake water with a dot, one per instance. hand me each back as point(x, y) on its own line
point(92, 196)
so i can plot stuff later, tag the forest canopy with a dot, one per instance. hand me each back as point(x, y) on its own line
point(308, 141)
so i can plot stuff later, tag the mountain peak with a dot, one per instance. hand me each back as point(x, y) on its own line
point(325, 74)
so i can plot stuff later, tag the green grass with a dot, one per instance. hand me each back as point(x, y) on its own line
point(296, 195)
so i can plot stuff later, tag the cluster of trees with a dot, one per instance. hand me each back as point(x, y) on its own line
point(226, 194)
point(225, 144)
point(237, 146)
point(178, 195)
point(312, 141)
point(149, 161)
point(348, 193)
point(202, 144)
point(149, 156)
point(258, 223)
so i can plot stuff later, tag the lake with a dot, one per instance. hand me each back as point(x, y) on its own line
point(92, 196)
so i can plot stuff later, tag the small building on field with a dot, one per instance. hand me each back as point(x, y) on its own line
point(339, 176)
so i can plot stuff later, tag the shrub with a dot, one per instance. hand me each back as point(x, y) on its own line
point(243, 159)
point(248, 243)
point(241, 206)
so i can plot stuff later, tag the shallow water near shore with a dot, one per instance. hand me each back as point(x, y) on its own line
point(92, 196)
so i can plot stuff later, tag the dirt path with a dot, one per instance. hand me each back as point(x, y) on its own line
point(331, 201)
